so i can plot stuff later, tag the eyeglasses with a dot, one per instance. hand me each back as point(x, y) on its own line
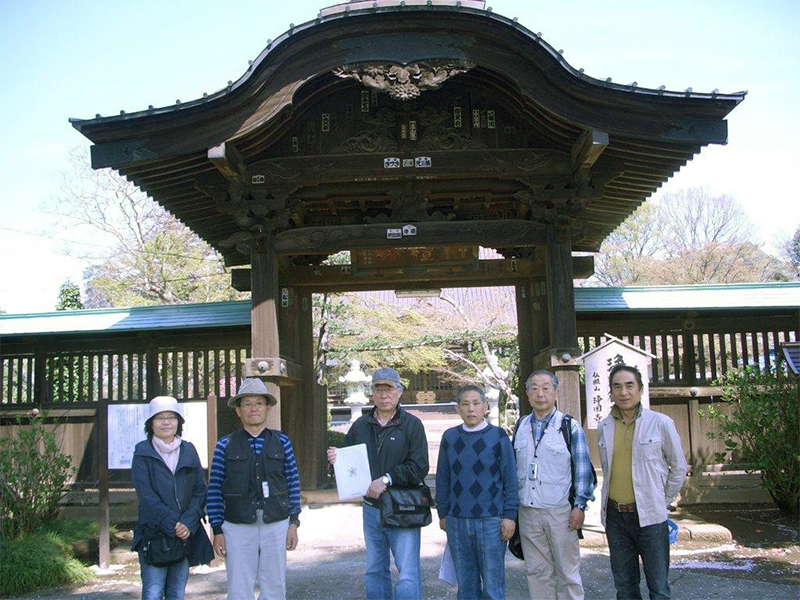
point(254, 404)
point(166, 418)
point(384, 388)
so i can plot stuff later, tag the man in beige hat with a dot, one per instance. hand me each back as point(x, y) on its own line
point(254, 498)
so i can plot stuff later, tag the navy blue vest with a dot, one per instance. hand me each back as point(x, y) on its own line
point(244, 474)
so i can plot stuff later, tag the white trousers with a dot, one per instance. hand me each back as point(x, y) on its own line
point(552, 553)
point(256, 554)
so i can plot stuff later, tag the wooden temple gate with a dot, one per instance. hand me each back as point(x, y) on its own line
point(395, 131)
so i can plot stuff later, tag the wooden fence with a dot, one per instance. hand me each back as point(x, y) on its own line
point(71, 376)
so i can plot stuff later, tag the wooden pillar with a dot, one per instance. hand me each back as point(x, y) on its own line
point(532, 332)
point(524, 341)
point(152, 377)
point(562, 323)
point(303, 418)
point(264, 312)
point(689, 362)
point(41, 383)
point(211, 428)
point(313, 405)
point(104, 492)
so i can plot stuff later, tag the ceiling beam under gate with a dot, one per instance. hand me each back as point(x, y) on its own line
point(341, 278)
point(503, 233)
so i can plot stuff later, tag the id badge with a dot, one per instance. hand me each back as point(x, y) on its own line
point(265, 488)
point(533, 472)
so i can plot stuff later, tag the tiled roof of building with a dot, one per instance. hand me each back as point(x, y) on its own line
point(176, 316)
point(232, 314)
point(684, 297)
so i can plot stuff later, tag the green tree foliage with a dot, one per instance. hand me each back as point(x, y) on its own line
point(451, 335)
point(794, 249)
point(140, 253)
point(69, 297)
point(630, 252)
point(688, 237)
point(790, 249)
point(762, 430)
point(65, 368)
point(33, 475)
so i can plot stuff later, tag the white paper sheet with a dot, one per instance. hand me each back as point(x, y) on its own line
point(352, 471)
point(447, 570)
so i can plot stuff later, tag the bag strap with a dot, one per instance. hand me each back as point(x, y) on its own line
point(516, 428)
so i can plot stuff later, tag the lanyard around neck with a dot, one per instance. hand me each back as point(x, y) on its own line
point(541, 434)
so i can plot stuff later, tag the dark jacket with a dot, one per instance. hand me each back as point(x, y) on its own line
point(165, 499)
point(399, 449)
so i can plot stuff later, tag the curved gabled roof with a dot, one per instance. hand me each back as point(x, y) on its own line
point(539, 100)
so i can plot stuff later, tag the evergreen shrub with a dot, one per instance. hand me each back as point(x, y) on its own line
point(762, 429)
point(33, 476)
point(38, 560)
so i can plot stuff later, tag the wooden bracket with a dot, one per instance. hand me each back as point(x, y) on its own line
point(278, 370)
point(588, 148)
point(557, 358)
point(228, 161)
point(264, 367)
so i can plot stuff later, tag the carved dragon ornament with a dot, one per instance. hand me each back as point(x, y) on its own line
point(404, 82)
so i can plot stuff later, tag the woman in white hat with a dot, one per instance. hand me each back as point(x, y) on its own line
point(171, 488)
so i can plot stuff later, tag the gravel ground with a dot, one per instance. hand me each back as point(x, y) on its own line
point(738, 553)
point(765, 544)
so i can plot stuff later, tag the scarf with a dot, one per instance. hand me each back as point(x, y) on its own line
point(169, 452)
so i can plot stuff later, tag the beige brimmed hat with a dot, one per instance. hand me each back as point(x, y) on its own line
point(161, 404)
point(252, 386)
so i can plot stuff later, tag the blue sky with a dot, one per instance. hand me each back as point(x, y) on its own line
point(75, 58)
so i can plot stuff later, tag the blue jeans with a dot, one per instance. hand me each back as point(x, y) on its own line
point(404, 546)
point(478, 552)
point(627, 541)
point(164, 583)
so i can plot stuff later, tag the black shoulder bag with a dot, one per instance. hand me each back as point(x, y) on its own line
point(164, 551)
point(515, 543)
point(406, 507)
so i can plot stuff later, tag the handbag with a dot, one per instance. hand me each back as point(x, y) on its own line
point(165, 551)
point(515, 543)
point(406, 507)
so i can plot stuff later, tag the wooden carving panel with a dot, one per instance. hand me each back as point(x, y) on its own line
point(425, 256)
point(354, 120)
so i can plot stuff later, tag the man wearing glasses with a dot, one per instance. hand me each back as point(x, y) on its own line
point(398, 455)
point(254, 498)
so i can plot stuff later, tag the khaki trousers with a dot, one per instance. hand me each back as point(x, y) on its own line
point(552, 553)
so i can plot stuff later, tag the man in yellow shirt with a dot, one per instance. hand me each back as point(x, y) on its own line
point(643, 471)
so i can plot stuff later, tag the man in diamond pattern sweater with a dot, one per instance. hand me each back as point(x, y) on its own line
point(477, 497)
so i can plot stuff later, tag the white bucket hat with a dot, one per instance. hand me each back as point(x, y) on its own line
point(252, 386)
point(161, 404)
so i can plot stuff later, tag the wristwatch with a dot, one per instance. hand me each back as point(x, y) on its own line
point(385, 479)
point(294, 520)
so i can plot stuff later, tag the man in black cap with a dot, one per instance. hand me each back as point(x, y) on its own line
point(398, 455)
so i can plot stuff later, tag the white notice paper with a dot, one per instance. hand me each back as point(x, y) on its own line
point(352, 471)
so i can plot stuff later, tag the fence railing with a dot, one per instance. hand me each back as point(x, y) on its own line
point(73, 378)
point(691, 352)
point(699, 358)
